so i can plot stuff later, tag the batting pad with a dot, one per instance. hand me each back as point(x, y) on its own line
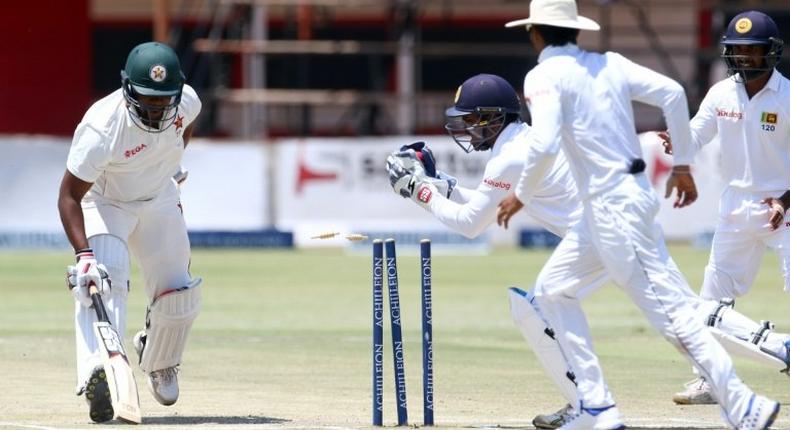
point(170, 318)
point(540, 338)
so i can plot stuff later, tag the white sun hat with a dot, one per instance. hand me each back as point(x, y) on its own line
point(556, 13)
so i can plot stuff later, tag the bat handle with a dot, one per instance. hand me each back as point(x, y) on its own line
point(98, 304)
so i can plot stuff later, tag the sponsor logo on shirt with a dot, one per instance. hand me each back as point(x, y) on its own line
point(136, 150)
point(497, 184)
point(424, 194)
point(769, 118)
point(729, 113)
point(537, 93)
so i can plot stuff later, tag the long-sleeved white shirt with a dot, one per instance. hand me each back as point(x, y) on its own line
point(554, 204)
point(581, 101)
point(754, 133)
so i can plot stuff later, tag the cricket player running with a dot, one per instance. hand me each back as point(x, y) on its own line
point(581, 102)
point(485, 116)
point(118, 197)
point(748, 112)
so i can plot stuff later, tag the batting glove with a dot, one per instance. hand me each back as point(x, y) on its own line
point(85, 273)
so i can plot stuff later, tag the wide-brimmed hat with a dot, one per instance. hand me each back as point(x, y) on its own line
point(555, 13)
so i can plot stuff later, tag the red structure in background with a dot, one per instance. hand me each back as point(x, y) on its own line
point(45, 66)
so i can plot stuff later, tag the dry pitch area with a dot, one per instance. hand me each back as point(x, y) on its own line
point(284, 343)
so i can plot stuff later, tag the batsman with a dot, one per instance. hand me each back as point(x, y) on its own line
point(119, 197)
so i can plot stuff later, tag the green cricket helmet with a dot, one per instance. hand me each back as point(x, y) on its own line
point(152, 70)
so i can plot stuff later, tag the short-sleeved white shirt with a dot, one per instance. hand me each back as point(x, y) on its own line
point(124, 162)
point(554, 204)
point(754, 133)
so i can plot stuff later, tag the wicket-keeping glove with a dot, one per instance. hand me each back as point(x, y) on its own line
point(402, 167)
point(424, 155)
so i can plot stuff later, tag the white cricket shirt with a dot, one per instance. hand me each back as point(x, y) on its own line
point(581, 101)
point(124, 162)
point(554, 204)
point(754, 134)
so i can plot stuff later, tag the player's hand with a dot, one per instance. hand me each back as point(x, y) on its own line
point(682, 180)
point(777, 212)
point(506, 209)
point(445, 183)
point(401, 169)
point(80, 291)
point(424, 155)
point(666, 141)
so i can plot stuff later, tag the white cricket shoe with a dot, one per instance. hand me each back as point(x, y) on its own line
point(595, 419)
point(163, 383)
point(555, 420)
point(697, 392)
point(761, 414)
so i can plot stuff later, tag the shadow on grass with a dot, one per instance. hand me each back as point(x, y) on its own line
point(223, 420)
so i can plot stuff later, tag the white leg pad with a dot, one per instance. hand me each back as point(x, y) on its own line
point(748, 350)
point(169, 320)
point(737, 333)
point(112, 252)
point(540, 338)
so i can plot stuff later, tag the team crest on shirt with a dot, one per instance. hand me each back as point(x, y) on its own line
point(179, 123)
point(769, 118)
point(158, 73)
point(768, 121)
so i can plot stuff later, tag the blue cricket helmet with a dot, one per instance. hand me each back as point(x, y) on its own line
point(484, 91)
point(752, 28)
point(484, 104)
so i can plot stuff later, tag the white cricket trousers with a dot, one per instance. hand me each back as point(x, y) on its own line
point(619, 237)
point(154, 233)
point(739, 243)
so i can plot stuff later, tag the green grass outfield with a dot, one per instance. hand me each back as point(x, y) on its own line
point(284, 342)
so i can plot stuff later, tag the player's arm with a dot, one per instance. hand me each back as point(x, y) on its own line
point(87, 159)
point(704, 126)
point(543, 142)
point(191, 105)
point(655, 89)
point(778, 205)
point(72, 190)
point(478, 212)
point(188, 134)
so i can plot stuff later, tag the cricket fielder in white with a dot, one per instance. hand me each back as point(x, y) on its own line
point(581, 102)
point(748, 113)
point(485, 116)
point(117, 198)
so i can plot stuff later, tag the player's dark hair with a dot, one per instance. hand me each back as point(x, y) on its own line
point(557, 36)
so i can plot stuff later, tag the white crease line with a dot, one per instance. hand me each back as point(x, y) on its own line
point(33, 426)
point(226, 427)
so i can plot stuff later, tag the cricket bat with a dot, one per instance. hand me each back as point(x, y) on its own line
point(123, 388)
